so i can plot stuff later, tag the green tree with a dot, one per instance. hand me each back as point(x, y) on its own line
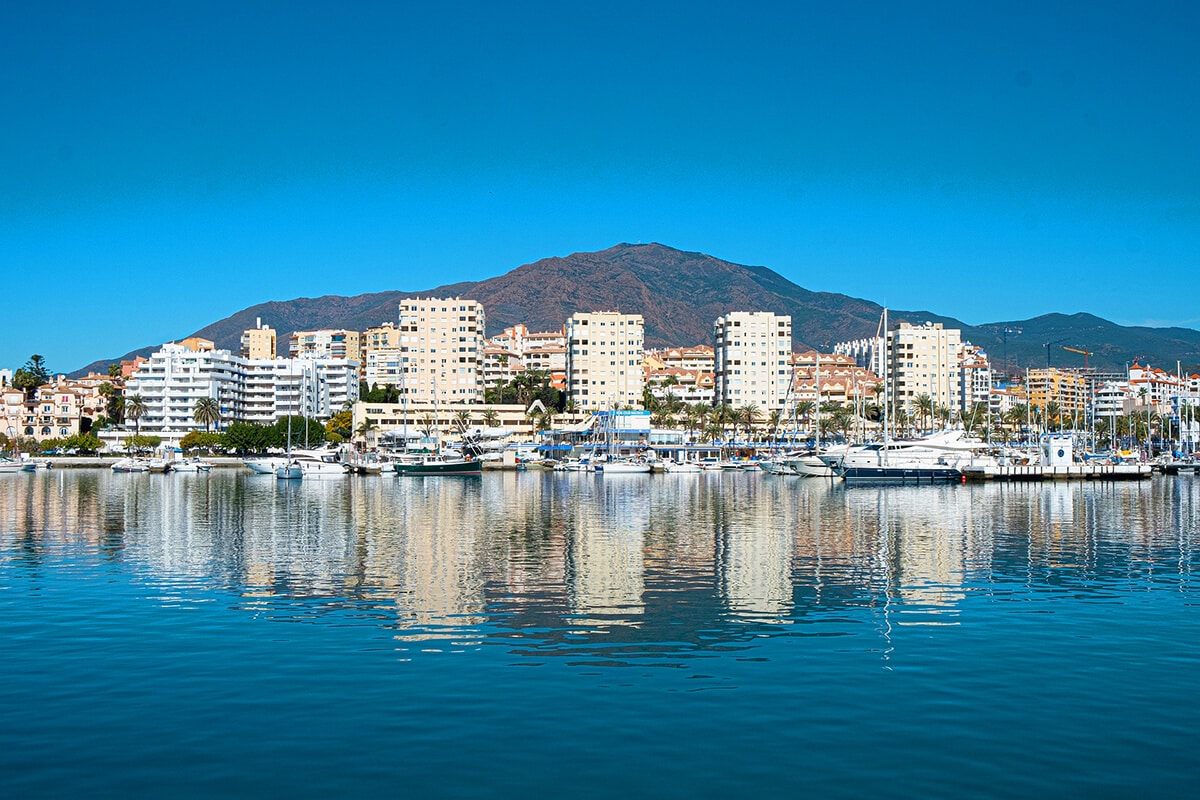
point(201, 440)
point(114, 370)
point(248, 437)
point(305, 432)
point(924, 404)
point(841, 419)
point(491, 418)
point(29, 377)
point(140, 443)
point(207, 412)
point(365, 429)
point(745, 416)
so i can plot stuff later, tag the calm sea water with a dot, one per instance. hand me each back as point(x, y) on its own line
point(530, 634)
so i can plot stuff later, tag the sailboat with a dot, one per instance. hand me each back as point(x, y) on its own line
point(290, 469)
point(894, 462)
point(810, 464)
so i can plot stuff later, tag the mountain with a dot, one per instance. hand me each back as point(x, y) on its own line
point(679, 294)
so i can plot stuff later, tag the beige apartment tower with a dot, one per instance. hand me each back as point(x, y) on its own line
point(605, 350)
point(752, 360)
point(258, 342)
point(441, 350)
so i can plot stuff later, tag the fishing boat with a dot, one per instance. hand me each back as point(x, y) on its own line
point(434, 464)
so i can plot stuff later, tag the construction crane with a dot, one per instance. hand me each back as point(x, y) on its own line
point(1081, 351)
point(1048, 345)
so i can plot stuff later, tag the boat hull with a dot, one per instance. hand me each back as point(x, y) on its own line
point(438, 468)
point(907, 474)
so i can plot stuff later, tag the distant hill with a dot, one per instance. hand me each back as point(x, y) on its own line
point(680, 294)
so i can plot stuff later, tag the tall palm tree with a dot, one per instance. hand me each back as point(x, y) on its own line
point(925, 405)
point(746, 416)
point(135, 407)
point(207, 412)
point(491, 418)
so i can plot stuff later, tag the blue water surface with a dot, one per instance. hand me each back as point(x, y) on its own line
point(528, 634)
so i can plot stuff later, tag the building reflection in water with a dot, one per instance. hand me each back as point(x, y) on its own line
point(538, 560)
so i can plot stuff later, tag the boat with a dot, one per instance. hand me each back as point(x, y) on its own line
point(682, 467)
point(809, 464)
point(435, 464)
point(8, 465)
point(130, 464)
point(290, 470)
point(909, 461)
point(623, 466)
point(191, 465)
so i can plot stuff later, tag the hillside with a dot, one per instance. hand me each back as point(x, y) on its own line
point(680, 294)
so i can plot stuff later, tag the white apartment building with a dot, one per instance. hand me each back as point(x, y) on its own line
point(326, 343)
point(604, 360)
point(752, 359)
point(975, 379)
point(174, 378)
point(441, 344)
point(251, 390)
point(924, 359)
point(316, 388)
point(379, 356)
point(383, 366)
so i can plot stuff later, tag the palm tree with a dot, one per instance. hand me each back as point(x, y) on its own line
point(135, 406)
point(491, 418)
point(722, 415)
point(207, 412)
point(925, 405)
point(842, 419)
point(746, 416)
point(365, 429)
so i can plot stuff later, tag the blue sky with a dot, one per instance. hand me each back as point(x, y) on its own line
point(163, 165)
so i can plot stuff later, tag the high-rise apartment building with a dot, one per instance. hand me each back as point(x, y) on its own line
point(604, 360)
point(924, 360)
point(441, 349)
point(752, 359)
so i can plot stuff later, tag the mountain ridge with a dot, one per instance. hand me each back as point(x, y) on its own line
point(680, 293)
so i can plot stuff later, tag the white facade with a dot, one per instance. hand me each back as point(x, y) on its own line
point(384, 366)
point(316, 388)
point(251, 390)
point(604, 360)
point(441, 344)
point(326, 343)
point(174, 378)
point(975, 379)
point(752, 359)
